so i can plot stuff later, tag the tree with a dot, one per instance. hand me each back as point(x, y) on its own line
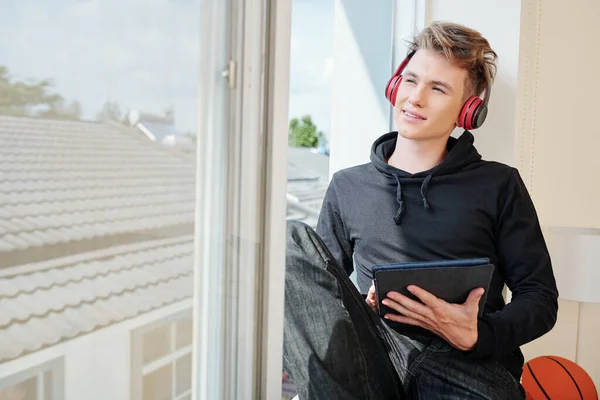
point(60, 110)
point(125, 119)
point(110, 112)
point(31, 98)
point(303, 133)
point(192, 136)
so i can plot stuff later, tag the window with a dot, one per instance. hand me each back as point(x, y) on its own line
point(98, 197)
point(44, 382)
point(309, 117)
point(98, 128)
point(309, 108)
point(162, 360)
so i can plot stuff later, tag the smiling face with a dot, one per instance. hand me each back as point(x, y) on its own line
point(429, 98)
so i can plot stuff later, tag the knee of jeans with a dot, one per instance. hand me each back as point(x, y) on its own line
point(295, 225)
point(300, 244)
point(297, 231)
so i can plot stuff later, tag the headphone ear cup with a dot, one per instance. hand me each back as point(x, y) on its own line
point(469, 114)
point(480, 116)
point(391, 90)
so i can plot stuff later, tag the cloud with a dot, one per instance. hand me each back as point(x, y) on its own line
point(142, 54)
point(85, 8)
point(145, 54)
point(328, 67)
point(295, 46)
point(311, 63)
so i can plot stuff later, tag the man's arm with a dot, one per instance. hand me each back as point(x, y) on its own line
point(330, 228)
point(526, 265)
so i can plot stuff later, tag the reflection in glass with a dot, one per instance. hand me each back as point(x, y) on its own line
point(184, 374)
point(26, 390)
point(98, 115)
point(157, 385)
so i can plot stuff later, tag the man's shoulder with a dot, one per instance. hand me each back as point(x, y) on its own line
point(497, 169)
point(345, 182)
point(353, 173)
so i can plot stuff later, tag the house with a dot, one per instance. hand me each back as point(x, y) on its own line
point(96, 259)
point(160, 129)
point(96, 262)
point(308, 178)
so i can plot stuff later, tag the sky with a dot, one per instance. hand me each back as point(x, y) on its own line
point(311, 63)
point(144, 55)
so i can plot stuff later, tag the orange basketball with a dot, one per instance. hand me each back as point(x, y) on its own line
point(553, 377)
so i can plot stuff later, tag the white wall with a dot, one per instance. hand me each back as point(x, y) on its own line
point(363, 61)
point(97, 366)
point(557, 141)
point(499, 22)
point(99, 370)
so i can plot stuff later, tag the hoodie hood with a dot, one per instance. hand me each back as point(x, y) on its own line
point(461, 152)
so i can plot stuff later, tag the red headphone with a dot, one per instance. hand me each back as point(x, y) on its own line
point(471, 116)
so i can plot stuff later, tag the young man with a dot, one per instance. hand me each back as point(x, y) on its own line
point(424, 196)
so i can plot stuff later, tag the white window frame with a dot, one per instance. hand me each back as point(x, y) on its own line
point(239, 267)
point(139, 369)
point(55, 366)
point(275, 201)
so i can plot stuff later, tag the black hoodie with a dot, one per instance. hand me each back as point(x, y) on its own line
point(376, 214)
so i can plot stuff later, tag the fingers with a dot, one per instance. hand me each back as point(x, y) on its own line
point(472, 302)
point(410, 321)
point(374, 306)
point(411, 305)
point(475, 295)
point(405, 311)
point(423, 295)
point(372, 298)
point(372, 288)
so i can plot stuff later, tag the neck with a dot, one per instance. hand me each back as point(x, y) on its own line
point(415, 156)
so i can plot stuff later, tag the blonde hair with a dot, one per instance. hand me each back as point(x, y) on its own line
point(462, 46)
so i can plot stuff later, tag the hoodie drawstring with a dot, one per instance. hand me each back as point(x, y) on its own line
point(400, 211)
point(399, 199)
point(424, 191)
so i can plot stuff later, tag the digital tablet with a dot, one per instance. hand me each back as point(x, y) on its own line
point(450, 280)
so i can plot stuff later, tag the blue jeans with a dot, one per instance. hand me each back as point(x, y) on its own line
point(336, 347)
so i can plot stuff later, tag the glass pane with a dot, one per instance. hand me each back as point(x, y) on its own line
point(183, 371)
point(183, 333)
point(98, 122)
point(158, 384)
point(48, 386)
point(157, 343)
point(311, 69)
point(26, 390)
point(310, 108)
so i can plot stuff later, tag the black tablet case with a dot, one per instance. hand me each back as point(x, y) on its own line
point(450, 280)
